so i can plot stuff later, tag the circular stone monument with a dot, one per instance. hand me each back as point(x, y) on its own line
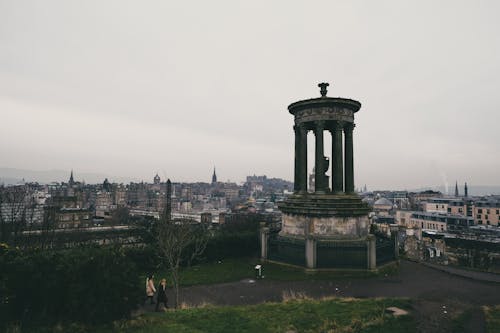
point(324, 227)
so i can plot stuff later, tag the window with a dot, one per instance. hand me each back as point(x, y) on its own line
point(498, 211)
point(480, 211)
point(460, 210)
point(487, 211)
point(479, 222)
point(449, 210)
point(485, 217)
point(488, 222)
point(479, 216)
point(437, 206)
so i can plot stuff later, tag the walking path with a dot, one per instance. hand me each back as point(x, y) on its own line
point(437, 294)
point(414, 280)
point(481, 276)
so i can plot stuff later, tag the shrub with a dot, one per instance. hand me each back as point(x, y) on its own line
point(90, 285)
point(146, 258)
point(232, 245)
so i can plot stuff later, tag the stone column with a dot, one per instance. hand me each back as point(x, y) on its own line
point(349, 159)
point(394, 236)
point(264, 237)
point(319, 167)
point(302, 174)
point(337, 165)
point(296, 178)
point(310, 252)
point(371, 247)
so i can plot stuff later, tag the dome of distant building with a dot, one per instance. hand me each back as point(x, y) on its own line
point(382, 202)
point(368, 200)
point(106, 185)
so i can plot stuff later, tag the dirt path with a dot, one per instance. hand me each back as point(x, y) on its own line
point(439, 296)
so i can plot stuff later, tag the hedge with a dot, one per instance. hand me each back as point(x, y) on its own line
point(234, 245)
point(88, 285)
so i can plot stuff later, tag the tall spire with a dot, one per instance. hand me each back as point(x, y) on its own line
point(71, 180)
point(466, 190)
point(214, 177)
point(456, 188)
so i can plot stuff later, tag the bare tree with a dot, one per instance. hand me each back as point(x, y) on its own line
point(120, 216)
point(180, 240)
point(48, 227)
point(15, 205)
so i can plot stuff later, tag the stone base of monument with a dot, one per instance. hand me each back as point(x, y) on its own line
point(325, 231)
point(324, 205)
point(314, 253)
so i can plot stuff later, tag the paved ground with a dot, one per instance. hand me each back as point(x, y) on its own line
point(476, 275)
point(438, 295)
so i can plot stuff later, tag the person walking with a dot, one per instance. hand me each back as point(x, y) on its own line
point(150, 288)
point(162, 295)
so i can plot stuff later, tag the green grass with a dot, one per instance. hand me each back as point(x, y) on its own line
point(492, 314)
point(332, 315)
point(459, 323)
point(238, 269)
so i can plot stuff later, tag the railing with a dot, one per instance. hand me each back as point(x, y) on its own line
point(341, 254)
point(385, 250)
point(287, 250)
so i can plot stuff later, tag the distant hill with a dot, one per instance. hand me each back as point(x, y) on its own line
point(10, 176)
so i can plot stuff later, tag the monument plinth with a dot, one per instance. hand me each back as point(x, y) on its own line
point(327, 227)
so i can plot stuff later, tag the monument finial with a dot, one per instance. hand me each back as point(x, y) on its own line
point(323, 90)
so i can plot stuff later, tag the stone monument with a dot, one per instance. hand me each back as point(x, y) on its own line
point(327, 228)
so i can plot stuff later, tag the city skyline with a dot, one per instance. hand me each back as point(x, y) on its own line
point(128, 90)
point(17, 176)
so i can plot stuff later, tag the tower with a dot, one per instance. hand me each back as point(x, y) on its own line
point(466, 190)
point(456, 188)
point(214, 177)
point(326, 227)
point(168, 208)
point(156, 179)
point(71, 181)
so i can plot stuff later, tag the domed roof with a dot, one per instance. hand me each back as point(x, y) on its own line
point(368, 200)
point(382, 202)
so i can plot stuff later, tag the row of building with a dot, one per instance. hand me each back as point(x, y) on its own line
point(75, 204)
point(441, 213)
point(458, 230)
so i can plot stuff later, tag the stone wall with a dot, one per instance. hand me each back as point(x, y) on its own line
point(328, 227)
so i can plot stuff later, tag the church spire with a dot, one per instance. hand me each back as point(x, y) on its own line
point(456, 188)
point(466, 190)
point(71, 180)
point(214, 177)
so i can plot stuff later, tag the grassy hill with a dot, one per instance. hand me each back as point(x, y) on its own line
point(294, 315)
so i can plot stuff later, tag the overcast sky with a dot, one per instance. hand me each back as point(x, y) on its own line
point(131, 88)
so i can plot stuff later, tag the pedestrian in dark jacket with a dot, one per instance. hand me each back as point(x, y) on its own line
point(162, 294)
